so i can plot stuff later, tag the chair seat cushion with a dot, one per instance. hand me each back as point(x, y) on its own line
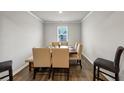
point(105, 64)
point(74, 57)
point(5, 65)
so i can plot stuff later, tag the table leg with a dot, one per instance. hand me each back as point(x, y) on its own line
point(29, 66)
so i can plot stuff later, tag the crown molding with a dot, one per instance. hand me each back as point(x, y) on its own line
point(87, 16)
point(35, 16)
point(62, 21)
point(43, 21)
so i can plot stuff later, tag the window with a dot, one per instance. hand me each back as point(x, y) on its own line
point(62, 33)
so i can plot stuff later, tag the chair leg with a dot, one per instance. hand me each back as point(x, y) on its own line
point(77, 61)
point(80, 64)
point(29, 66)
point(34, 73)
point(68, 74)
point(10, 74)
point(53, 74)
point(116, 77)
point(94, 73)
point(49, 73)
point(98, 73)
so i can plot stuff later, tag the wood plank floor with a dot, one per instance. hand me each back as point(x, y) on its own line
point(76, 73)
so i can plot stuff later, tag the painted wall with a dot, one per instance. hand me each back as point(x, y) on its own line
point(50, 32)
point(102, 33)
point(19, 33)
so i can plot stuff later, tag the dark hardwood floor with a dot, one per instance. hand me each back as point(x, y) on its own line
point(76, 73)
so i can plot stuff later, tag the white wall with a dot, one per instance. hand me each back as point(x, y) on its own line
point(50, 30)
point(19, 32)
point(102, 33)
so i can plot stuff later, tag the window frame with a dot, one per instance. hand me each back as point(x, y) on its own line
point(67, 34)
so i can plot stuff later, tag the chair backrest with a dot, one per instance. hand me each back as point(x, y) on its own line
point(117, 58)
point(64, 43)
point(75, 45)
point(50, 44)
point(54, 44)
point(60, 58)
point(42, 57)
point(79, 49)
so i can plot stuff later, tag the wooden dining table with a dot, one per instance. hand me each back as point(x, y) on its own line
point(29, 60)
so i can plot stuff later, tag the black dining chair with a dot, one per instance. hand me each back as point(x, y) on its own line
point(6, 66)
point(112, 66)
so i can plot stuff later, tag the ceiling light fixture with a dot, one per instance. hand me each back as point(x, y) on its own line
point(60, 12)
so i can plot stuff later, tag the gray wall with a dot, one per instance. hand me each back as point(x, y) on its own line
point(50, 32)
point(19, 33)
point(102, 33)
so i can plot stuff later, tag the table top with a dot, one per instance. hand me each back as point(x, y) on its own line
point(72, 50)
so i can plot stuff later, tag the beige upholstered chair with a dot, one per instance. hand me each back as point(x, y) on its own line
point(55, 44)
point(75, 45)
point(64, 43)
point(77, 56)
point(50, 44)
point(42, 59)
point(60, 60)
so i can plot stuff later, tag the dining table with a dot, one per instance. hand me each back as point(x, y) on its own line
point(29, 60)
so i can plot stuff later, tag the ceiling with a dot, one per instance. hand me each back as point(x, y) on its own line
point(55, 16)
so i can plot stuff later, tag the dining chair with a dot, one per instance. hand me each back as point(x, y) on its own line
point(60, 61)
point(29, 60)
point(75, 45)
point(77, 56)
point(111, 66)
point(64, 43)
point(6, 66)
point(50, 44)
point(42, 59)
point(56, 44)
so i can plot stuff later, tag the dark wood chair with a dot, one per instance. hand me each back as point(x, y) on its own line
point(112, 66)
point(6, 66)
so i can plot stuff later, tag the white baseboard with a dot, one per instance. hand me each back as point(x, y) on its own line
point(19, 69)
point(88, 58)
